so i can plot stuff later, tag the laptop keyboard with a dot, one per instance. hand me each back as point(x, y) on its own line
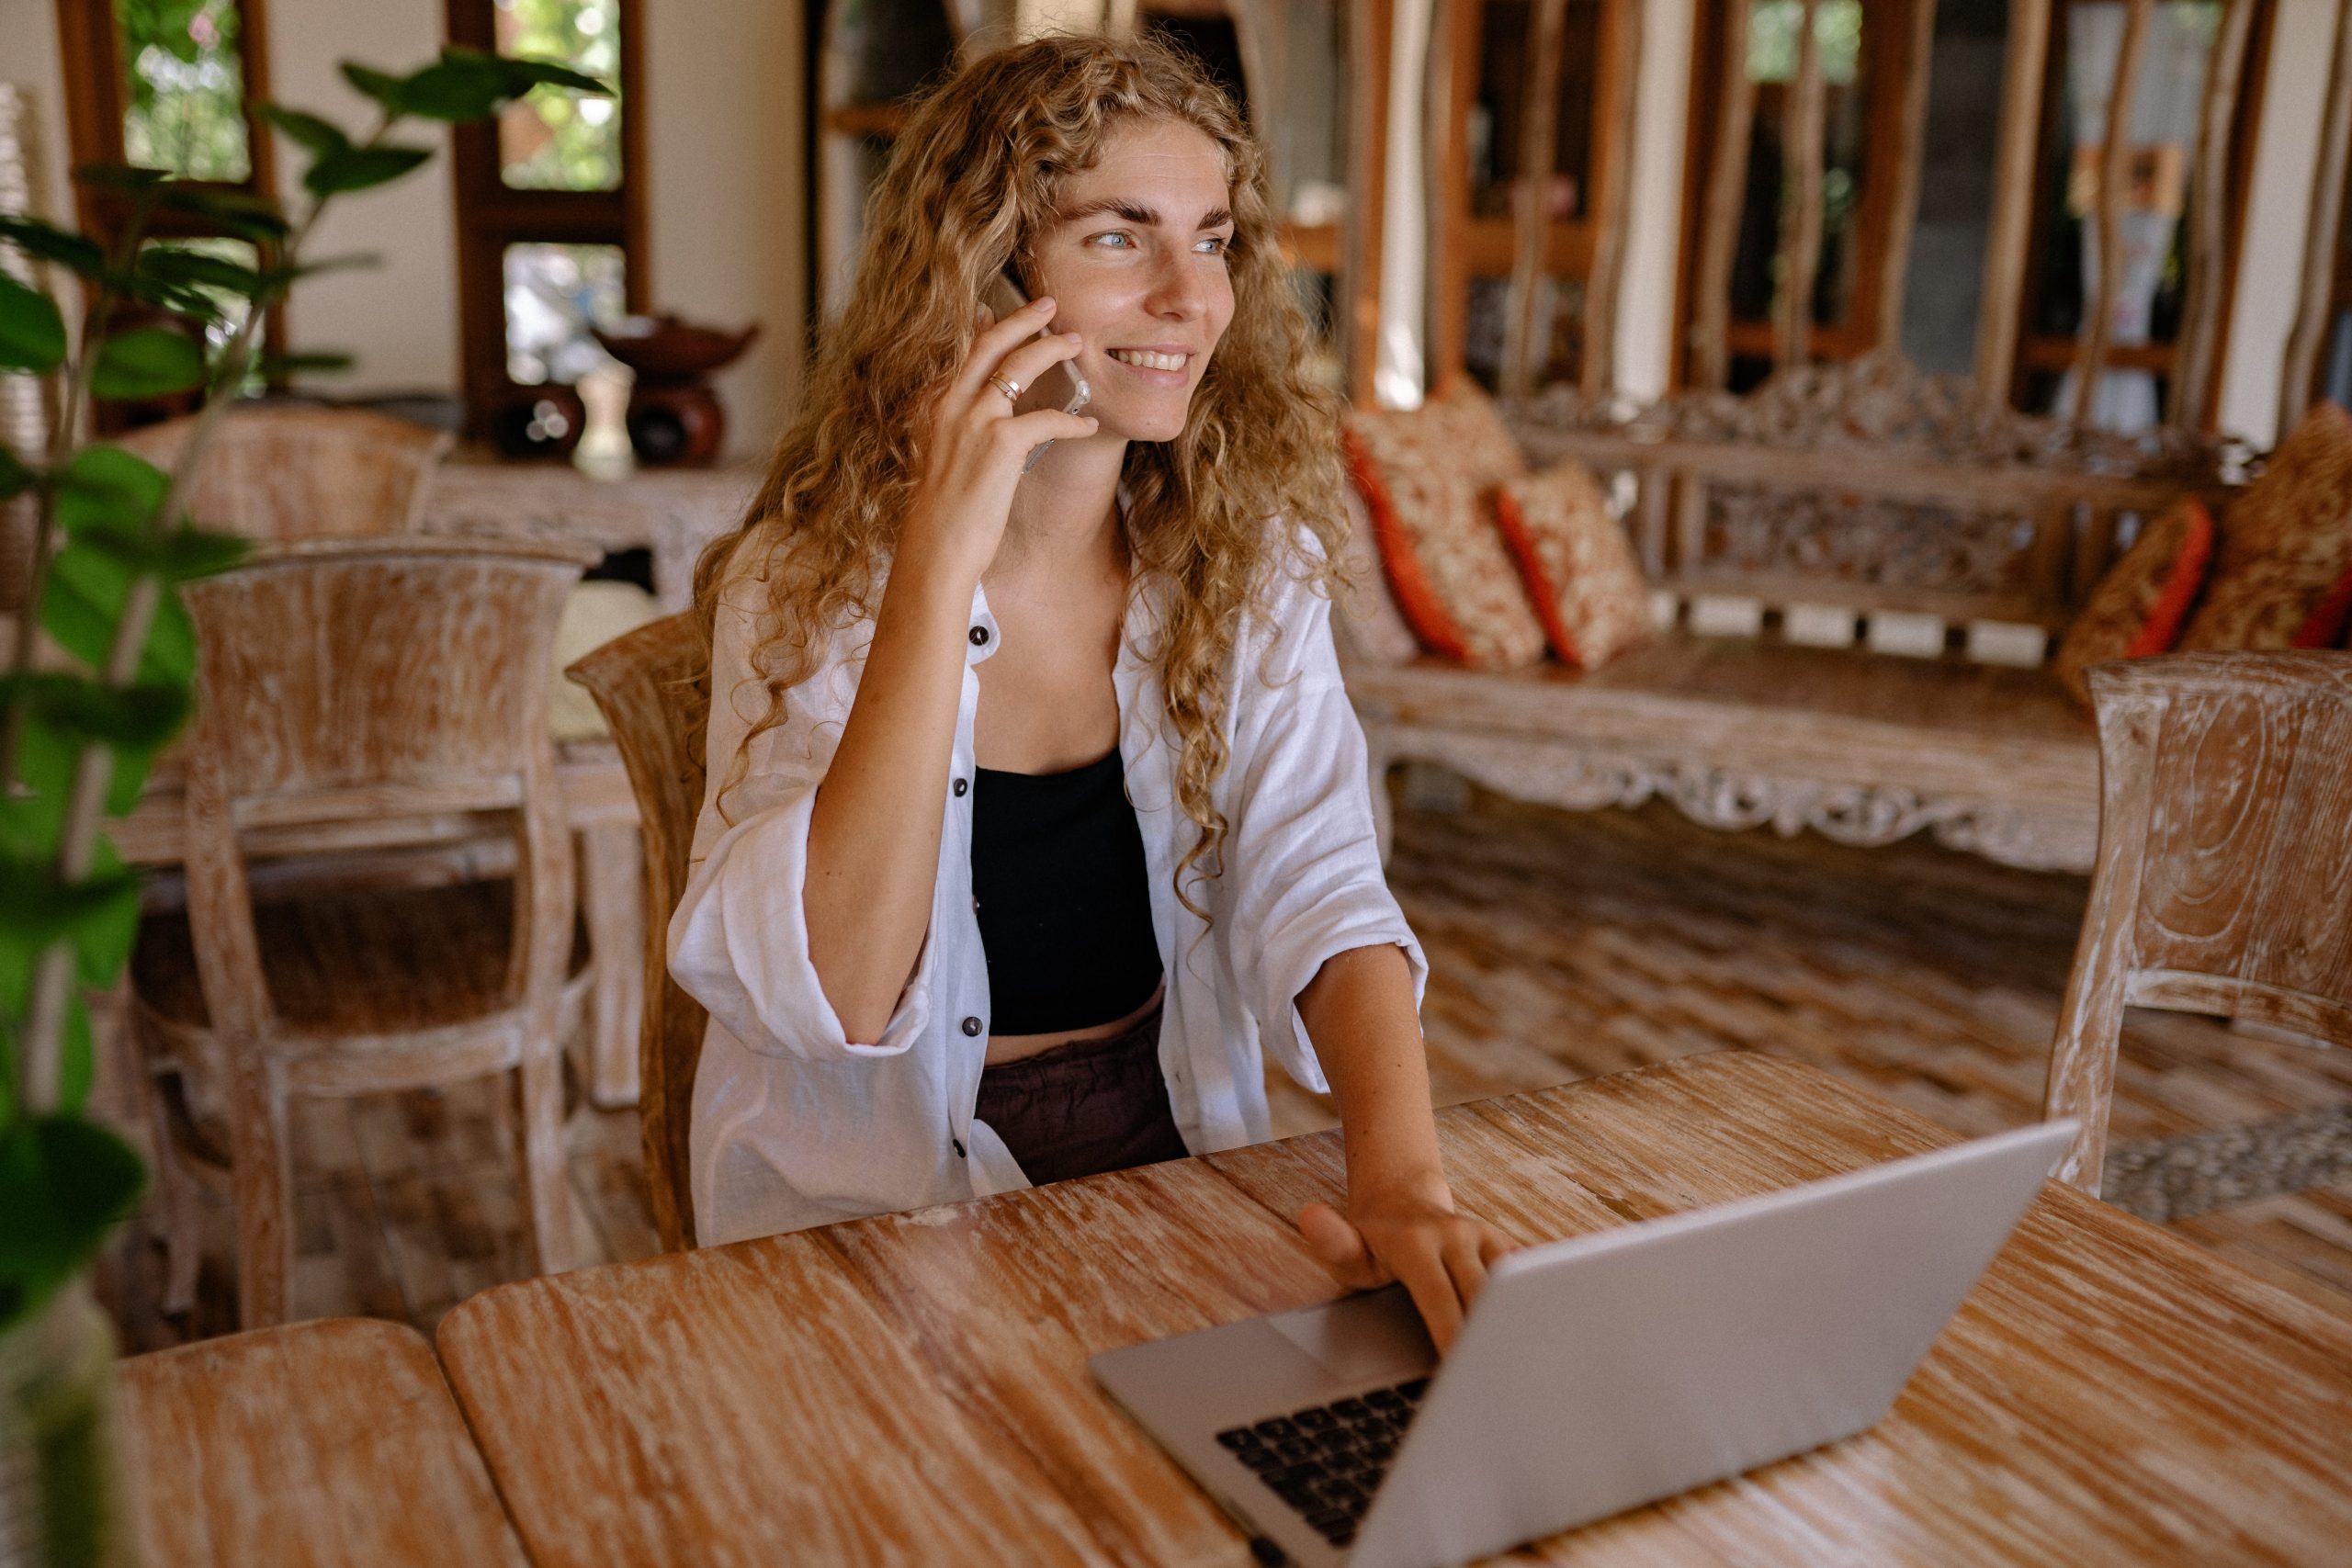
point(1327, 1461)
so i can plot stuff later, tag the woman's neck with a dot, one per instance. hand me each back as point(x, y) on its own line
point(1064, 513)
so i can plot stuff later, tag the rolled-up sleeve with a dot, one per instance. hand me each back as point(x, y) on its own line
point(738, 939)
point(1304, 881)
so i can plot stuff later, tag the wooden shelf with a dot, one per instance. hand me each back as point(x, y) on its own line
point(1488, 243)
point(2046, 352)
point(1315, 246)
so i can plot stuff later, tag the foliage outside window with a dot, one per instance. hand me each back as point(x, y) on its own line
point(184, 88)
point(554, 143)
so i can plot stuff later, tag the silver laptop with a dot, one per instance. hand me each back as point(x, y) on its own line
point(1593, 1375)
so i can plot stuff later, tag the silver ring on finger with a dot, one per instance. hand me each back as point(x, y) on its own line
point(1011, 390)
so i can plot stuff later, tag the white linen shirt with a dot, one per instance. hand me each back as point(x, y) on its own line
point(794, 1126)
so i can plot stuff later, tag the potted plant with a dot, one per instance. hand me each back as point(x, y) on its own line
point(84, 713)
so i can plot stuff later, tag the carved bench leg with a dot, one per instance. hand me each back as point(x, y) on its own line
point(613, 902)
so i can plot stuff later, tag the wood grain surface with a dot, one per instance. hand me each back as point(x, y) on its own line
point(322, 1444)
point(913, 1388)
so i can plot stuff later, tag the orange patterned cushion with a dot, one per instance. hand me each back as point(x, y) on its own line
point(1578, 565)
point(2137, 608)
point(1421, 474)
point(2286, 544)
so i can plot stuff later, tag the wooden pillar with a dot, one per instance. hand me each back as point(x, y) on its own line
point(2201, 327)
point(1369, 26)
point(1719, 224)
point(2003, 297)
point(1613, 207)
point(2115, 166)
point(1539, 119)
point(2319, 240)
point(1919, 59)
point(1801, 152)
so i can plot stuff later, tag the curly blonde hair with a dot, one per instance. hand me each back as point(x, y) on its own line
point(975, 175)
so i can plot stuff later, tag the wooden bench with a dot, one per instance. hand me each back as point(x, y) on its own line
point(1861, 576)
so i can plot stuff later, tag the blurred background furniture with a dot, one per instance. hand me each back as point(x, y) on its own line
point(2224, 886)
point(290, 472)
point(654, 688)
point(361, 687)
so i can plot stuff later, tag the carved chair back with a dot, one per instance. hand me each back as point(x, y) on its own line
point(1867, 504)
point(653, 685)
point(361, 682)
point(297, 472)
point(2224, 877)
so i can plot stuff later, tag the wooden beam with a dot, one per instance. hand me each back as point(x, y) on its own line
point(2320, 240)
point(2115, 167)
point(1802, 138)
point(2002, 300)
point(1726, 185)
point(1614, 201)
point(1357, 308)
point(1453, 82)
point(1539, 120)
point(2200, 328)
point(1919, 57)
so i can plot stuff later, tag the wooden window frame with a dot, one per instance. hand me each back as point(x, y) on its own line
point(1466, 248)
point(2039, 352)
point(1890, 58)
point(492, 216)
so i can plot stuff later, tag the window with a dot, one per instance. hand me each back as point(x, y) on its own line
point(2159, 209)
point(161, 84)
point(1865, 56)
point(1491, 49)
point(550, 213)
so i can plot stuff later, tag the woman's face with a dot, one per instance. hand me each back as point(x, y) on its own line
point(1135, 266)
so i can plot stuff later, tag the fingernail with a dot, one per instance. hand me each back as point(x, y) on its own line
point(1045, 302)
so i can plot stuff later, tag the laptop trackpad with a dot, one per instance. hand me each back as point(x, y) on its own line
point(1371, 1337)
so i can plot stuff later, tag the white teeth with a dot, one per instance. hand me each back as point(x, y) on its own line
point(1149, 361)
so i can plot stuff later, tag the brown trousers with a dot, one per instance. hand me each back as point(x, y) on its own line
point(1090, 1106)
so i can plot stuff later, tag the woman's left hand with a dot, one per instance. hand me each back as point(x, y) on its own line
point(1407, 1231)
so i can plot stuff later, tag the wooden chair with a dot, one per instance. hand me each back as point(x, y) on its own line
point(354, 685)
point(2224, 876)
point(653, 685)
point(292, 471)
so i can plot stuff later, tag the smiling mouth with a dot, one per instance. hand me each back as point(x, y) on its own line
point(1143, 359)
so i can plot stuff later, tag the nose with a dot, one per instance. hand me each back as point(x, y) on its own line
point(1178, 291)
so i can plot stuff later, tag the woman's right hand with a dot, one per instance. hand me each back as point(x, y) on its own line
point(978, 445)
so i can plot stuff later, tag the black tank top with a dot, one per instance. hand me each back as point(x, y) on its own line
point(1063, 896)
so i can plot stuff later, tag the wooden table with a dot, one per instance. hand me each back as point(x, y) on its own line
point(913, 1388)
point(323, 1443)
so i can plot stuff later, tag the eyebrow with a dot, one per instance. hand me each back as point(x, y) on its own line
point(1136, 212)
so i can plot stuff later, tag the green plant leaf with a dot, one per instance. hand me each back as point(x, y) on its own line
point(90, 709)
point(383, 87)
point(78, 1063)
point(64, 1184)
point(320, 136)
point(180, 555)
point(107, 487)
point(126, 178)
point(47, 241)
point(463, 85)
point(84, 598)
point(196, 268)
point(541, 73)
point(318, 363)
point(102, 943)
point(241, 213)
point(15, 478)
point(32, 334)
point(36, 908)
point(356, 260)
point(361, 168)
point(146, 361)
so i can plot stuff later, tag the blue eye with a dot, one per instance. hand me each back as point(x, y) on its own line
point(1220, 244)
point(1126, 240)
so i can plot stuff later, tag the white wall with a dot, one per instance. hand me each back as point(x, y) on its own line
point(2270, 264)
point(724, 199)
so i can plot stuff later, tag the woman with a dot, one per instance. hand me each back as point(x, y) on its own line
point(1037, 811)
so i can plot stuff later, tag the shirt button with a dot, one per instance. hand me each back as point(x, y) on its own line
point(980, 637)
point(961, 784)
point(957, 1144)
point(971, 1026)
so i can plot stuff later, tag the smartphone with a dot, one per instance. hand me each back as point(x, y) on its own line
point(1058, 387)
